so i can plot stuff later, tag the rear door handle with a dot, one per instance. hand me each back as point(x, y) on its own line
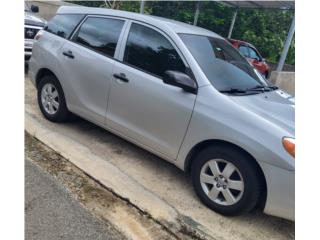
point(121, 76)
point(68, 54)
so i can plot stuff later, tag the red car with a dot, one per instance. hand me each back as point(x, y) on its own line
point(253, 56)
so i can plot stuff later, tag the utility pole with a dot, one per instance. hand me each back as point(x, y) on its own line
point(142, 6)
point(286, 46)
point(232, 22)
point(196, 15)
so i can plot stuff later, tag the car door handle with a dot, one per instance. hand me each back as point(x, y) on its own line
point(68, 54)
point(121, 77)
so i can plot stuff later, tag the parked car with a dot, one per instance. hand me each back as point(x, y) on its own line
point(32, 24)
point(179, 91)
point(253, 56)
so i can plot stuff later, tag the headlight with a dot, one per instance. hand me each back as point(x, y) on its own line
point(38, 35)
point(289, 145)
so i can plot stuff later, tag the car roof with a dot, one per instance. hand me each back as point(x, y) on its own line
point(242, 42)
point(162, 23)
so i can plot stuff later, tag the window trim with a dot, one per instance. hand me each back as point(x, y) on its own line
point(124, 44)
point(77, 30)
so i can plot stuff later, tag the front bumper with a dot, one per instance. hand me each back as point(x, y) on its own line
point(280, 200)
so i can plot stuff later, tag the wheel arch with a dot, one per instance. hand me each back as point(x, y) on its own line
point(214, 142)
point(44, 72)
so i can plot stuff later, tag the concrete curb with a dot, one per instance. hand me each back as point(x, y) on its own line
point(113, 179)
point(104, 172)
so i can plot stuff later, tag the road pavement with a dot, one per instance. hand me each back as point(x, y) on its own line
point(51, 213)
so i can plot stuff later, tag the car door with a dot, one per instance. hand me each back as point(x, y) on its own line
point(87, 62)
point(142, 107)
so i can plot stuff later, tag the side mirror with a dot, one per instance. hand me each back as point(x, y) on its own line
point(180, 80)
point(34, 8)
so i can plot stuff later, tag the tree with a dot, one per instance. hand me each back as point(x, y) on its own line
point(266, 29)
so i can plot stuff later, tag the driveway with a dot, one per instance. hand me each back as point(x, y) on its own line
point(149, 182)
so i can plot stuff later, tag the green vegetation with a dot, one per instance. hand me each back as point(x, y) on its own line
point(266, 29)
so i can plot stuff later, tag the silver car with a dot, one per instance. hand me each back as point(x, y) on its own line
point(179, 91)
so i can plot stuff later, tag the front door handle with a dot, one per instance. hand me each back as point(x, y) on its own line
point(121, 76)
point(68, 54)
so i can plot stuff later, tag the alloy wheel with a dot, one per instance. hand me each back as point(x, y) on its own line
point(222, 182)
point(50, 98)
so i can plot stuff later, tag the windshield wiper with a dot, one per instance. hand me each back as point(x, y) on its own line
point(233, 90)
point(263, 88)
point(273, 87)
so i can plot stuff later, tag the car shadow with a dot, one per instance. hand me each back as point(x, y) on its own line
point(161, 167)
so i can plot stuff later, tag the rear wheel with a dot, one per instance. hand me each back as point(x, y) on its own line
point(51, 100)
point(225, 180)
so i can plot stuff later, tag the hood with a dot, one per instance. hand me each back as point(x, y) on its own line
point(32, 19)
point(277, 107)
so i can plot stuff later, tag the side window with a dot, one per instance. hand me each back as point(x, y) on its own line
point(63, 24)
point(149, 50)
point(253, 54)
point(244, 50)
point(100, 34)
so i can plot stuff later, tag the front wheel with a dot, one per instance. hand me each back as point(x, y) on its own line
point(51, 100)
point(225, 180)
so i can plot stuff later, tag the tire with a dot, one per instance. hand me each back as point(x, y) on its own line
point(60, 112)
point(218, 158)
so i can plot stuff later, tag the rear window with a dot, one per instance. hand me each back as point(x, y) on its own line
point(244, 50)
point(63, 24)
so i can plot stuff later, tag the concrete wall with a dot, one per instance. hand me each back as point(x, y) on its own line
point(286, 67)
point(284, 80)
point(47, 9)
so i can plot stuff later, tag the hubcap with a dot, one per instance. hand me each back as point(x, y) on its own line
point(50, 98)
point(222, 182)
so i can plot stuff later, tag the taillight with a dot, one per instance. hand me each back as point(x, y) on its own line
point(38, 35)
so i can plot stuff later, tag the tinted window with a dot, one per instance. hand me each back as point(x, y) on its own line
point(148, 50)
point(63, 25)
point(244, 51)
point(253, 54)
point(100, 34)
point(223, 65)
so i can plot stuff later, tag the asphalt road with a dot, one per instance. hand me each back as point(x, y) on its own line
point(51, 213)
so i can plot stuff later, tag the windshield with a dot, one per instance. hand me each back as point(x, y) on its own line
point(223, 65)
